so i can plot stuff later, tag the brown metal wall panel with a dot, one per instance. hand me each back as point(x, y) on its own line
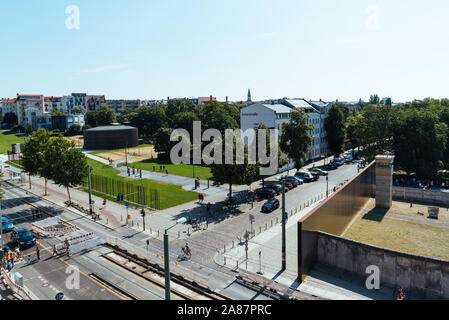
point(334, 215)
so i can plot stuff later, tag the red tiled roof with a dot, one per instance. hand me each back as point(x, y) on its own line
point(9, 100)
point(206, 99)
point(30, 96)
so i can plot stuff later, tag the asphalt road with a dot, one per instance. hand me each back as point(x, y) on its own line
point(47, 277)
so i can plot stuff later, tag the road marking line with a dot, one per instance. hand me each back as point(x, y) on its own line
point(68, 264)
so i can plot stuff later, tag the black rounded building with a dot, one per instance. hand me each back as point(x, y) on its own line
point(111, 137)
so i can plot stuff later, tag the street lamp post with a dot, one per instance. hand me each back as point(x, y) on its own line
point(284, 262)
point(167, 259)
point(142, 197)
point(90, 192)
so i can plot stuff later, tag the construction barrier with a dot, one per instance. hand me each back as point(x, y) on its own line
point(79, 239)
point(52, 231)
point(18, 290)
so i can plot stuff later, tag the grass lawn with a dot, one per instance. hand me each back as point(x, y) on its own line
point(170, 195)
point(406, 236)
point(7, 138)
point(182, 170)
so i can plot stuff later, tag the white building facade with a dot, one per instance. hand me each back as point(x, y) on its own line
point(278, 112)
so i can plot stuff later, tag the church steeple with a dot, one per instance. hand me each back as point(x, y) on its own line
point(249, 97)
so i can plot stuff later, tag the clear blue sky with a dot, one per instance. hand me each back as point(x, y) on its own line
point(329, 49)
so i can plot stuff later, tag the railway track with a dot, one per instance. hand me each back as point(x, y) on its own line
point(116, 290)
point(181, 287)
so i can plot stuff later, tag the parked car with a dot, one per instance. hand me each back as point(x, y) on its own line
point(276, 187)
point(7, 225)
point(305, 176)
point(23, 238)
point(348, 158)
point(319, 171)
point(331, 166)
point(289, 185)
point(265, 193)
point(339, 161)
point(293, 181)
point(271, 205)
point(300, 181)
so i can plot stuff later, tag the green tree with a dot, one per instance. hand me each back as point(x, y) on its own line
point(419, 142)
point(56, 112)
point(105, 116)
point(374, 99)
point(163, 145)
point(334, 125)
point(78, 110)
point(91, 118)
point(74, 130)
point(295, 137)
point(235, 173)
point(220, 116)
point(10, 119)
point(32, 154)
point(69, 165)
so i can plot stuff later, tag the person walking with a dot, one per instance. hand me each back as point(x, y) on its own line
point(17, 251)
point(208, 206)
point(38, 253)
point(29, 259)
point(67, 246)
point(401, 295)
point(55, 252)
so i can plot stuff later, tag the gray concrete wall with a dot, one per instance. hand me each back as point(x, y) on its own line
point(418, 195)
point(419, 276)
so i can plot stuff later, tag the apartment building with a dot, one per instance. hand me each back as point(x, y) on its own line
point(278, 111)
point(75, 100)
point(95, 102)
point(28, 101)
point(8, 106)
point(120, 105)
point(54, 104)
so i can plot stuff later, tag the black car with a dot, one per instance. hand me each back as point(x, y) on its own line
point(23, 238)
point(265, 193)
point(331, 166)
point(276, 187)
point(271, 205)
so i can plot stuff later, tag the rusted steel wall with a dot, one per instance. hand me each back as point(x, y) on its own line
point(334, 215)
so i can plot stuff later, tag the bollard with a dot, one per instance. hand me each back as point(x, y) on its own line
point(237, 267)
point(260, 229)
point(151, 231)
point(224, 260)
point(232, 244)
point(158, 233)
point(132, 223)
point(266, 226)
point(224, 249)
